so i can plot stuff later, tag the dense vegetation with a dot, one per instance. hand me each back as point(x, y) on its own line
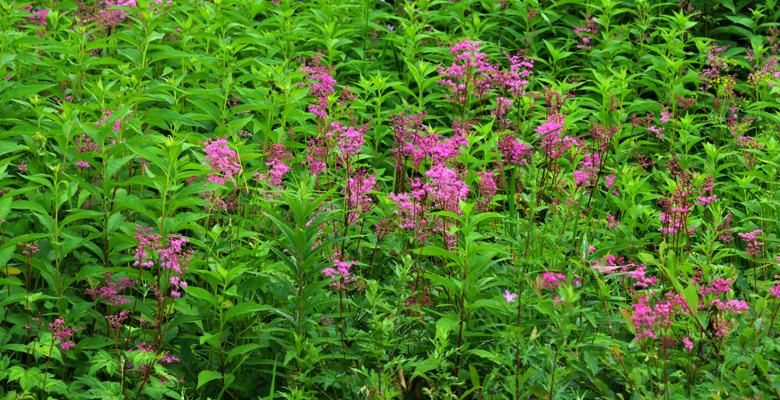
point(339, 199)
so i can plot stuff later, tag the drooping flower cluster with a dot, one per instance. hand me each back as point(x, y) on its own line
point(146, 244)
point(554, 143)
point(104, 120)
point(110, 16)
point(412, 213)
point(775, 290)
point(517, 78)
point(38, 18)
point(417, 144)
point(116, 320)
point(642, 280)
point(716, 65)
point(165, 358)
point(513, 151)
point(587, 173)
point(553, 280)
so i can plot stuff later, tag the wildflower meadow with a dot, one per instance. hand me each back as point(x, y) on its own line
point(389, 199)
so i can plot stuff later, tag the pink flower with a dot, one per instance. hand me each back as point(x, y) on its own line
point(513, 151)
point(552, 279)
point(340, 272)
point(60, 332)
point(350, 139)
point(642, 280)
point(321, 84)
point(775, 290)
point(753, 245)
point(717, 287)
point(687, 343)
point(487, 187)
point(510, 297)
point(221, 159)
point(610, 180)
point(446, 187)
point(707, 200)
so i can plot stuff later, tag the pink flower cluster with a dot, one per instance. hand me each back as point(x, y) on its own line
point(112, 17)
point(513, 151)
point(109, 291)
point(357, 190)
point(717, 287)
point(586, 32)
point(552, 280)
point(650, 321)
point(350, 139)
point(38, 17)
point(753, 245)
point(704, 200)
point(275, 160)
point(487, 188)
point(146, 242)
point(516, 79)
point(106, 114)
point(642, 280)
point(775, 290)
point(176, 259)
point(321, 85)
point(165, 358)
point(412, 213)
point(446, 188)
point(221, 159)
point(554, 143)
point(339, 272)
point(416, 143)
point(587, 173)
point(469, 73)
point(63, 334)
point(173, 257)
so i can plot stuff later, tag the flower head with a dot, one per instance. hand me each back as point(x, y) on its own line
point(509, 296)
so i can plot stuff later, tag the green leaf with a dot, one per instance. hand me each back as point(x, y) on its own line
point(692, 297)
point(201, 293)
point(486, 355)
point(242, 308)
point(205, 377)
point(23, 91)
point(243, 349)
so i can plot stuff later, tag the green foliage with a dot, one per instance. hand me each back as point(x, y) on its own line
point(423, 199)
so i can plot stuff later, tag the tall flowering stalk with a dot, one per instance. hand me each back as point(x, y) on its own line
point(753, 248)
point(321, 84)
point(470, 74)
